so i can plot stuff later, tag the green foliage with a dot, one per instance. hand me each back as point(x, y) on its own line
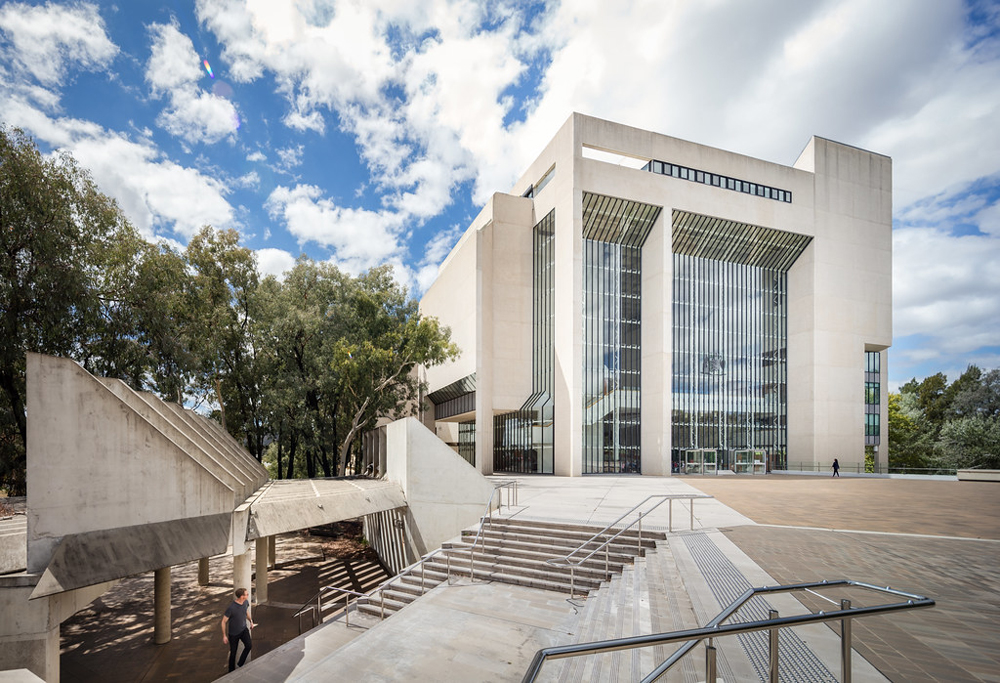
point(972, 442)
point(934, 424)
point(295, 369)
point(71, 276)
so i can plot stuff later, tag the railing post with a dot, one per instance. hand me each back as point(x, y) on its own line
point(773, 648)
point(572, 581)
point(691, 505)
point(381, 595)
point(319, 608)
point(347, 609)
point(670, 515)
point(423, 570)
point(607, 565)
point(710, 669)
point(640, 535)
point(845, 644)
point(448, 559)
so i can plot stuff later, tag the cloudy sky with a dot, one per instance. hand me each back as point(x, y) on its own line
point(371, 131)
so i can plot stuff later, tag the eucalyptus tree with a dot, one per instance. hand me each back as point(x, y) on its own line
point(72, 278)
point(375, 362)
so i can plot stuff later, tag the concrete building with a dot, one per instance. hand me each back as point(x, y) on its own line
point(643, 304)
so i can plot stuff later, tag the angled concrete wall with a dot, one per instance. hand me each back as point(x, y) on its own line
point(102, 460)
point(443, 492)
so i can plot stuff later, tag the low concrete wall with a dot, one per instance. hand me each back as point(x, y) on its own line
point(979, 475)
point(444, 493)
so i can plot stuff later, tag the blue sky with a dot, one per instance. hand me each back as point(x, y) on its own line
point(372, 131)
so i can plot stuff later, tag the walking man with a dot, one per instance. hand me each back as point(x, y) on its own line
point(236, 625)
point(836, 468)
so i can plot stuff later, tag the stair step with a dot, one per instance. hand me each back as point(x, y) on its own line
point(522, 567)
point(500, 557)
point(560, 544)
point(543, 552)
point(586, 529)
point(497, 573)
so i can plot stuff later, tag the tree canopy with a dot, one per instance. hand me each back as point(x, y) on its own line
point(934, 424)
point(296, 368)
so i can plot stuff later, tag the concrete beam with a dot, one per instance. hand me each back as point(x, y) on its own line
point(97, 556)
point(289, 505)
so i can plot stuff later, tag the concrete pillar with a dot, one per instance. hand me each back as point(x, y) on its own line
point(203, 571)
point(381, 452)
point(161, 606)
point(272, 551)
point(262, 546)
point(242, 573)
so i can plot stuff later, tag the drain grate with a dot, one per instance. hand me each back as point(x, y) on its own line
point(798, 662)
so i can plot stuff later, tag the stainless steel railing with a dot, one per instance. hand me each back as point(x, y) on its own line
point(569, 559)
point(716, 629)
point(315, 603)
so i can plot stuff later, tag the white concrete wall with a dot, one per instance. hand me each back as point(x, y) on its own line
point(444, 494)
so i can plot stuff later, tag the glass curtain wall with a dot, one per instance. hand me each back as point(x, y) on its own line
point(873, 399)
point(611, 363)
point(523, 440)
point(467, 441)
point(614, 231)
point(729, 365)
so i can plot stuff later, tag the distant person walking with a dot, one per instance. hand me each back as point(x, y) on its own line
point(836, 468)
point(236, 625)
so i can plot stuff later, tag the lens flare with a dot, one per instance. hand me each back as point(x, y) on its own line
point(208, 68)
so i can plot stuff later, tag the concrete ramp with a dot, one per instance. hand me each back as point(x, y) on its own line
point(120, 482)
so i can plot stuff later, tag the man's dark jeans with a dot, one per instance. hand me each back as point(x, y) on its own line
point(234, 642)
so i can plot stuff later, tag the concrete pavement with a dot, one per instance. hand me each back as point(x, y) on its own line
point(940, 539)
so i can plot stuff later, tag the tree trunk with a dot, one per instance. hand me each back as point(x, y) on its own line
point(279, 452)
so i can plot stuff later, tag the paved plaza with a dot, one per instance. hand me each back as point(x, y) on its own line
point(936, 538)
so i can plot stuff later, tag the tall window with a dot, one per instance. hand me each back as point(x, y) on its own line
point(729, 358)
point(730, 312)
point(873, 391)
point(614, 231)
point(611, 363)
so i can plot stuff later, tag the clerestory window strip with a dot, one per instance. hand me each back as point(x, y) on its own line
point(715, 180)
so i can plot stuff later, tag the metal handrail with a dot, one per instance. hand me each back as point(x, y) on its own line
point(715, 629)
point(318, 597)
point(568, 561)
point(488, 516)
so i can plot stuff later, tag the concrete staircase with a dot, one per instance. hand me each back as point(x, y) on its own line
point(647, 597)
point(515, 551)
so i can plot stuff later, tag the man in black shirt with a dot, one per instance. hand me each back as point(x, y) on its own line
point(236, 625)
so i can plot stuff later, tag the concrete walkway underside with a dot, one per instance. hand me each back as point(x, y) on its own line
point(939, 539)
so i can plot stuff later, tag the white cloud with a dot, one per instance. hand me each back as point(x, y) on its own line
point(173, 71)
point(359, 238)
point(155, 193)
point(946, 288)
point(434, 253)
point(47, 39)
point(248, 180)
point(274, 262)
point(290, 157)
point(256, 156)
